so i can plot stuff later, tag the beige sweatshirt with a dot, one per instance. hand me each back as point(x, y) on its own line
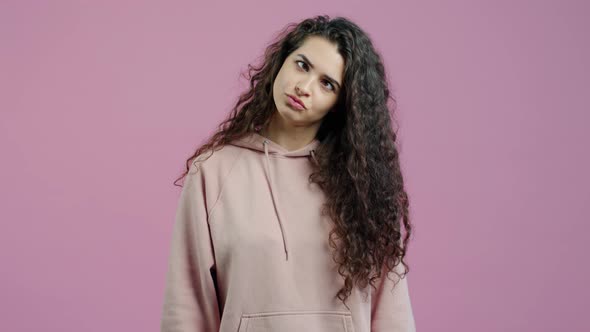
point(250, 253)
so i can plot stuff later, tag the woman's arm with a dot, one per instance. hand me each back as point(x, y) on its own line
point(392, 309)
point(190, 298)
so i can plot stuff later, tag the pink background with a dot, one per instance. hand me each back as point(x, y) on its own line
point(101, 103)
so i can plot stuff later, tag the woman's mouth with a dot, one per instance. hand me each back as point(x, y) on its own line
point(295, 104)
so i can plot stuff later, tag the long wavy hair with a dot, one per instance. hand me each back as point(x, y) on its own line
point(358, 164)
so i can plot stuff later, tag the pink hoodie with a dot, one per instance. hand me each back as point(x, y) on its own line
point(250, 252)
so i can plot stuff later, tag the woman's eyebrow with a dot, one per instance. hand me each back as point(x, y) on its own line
point(311, 65)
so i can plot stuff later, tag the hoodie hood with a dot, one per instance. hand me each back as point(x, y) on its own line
point(255, 141)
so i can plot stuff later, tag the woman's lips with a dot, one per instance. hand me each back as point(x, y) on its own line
point(295, 103)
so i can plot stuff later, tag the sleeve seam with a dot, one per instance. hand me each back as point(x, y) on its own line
point(212, 209)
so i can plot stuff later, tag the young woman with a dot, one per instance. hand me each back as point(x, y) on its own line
point(290, 217)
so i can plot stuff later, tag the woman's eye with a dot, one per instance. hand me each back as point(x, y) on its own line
point(299, 61)
point(331, 86)
point(305, 64)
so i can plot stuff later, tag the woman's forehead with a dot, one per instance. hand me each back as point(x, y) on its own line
point(323, 56)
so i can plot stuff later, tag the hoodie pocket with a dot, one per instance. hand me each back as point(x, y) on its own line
point(291, 321)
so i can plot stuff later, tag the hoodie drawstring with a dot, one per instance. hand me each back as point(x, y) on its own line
point(275, 199)
point(274, 195)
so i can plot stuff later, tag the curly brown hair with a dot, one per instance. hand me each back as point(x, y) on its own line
point(358, 162)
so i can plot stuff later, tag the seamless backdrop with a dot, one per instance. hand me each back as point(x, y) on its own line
point(101, 102)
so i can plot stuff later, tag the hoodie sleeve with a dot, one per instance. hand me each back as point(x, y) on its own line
point(391, 310)
point(190, 297)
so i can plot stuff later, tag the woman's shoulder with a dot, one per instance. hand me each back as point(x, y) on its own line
point(215, 160)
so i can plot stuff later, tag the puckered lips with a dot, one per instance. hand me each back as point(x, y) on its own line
point(296, 102)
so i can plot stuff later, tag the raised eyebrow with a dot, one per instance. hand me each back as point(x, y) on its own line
point(311, 65)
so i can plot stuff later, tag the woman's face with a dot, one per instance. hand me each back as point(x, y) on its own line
point(313, 73)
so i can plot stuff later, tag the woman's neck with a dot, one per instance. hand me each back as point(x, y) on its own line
point(289, 138)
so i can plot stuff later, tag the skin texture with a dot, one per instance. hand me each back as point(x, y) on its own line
point(294, 129)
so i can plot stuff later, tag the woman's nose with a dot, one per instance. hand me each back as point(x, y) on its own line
point(303, 86)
